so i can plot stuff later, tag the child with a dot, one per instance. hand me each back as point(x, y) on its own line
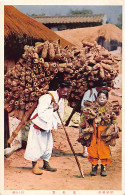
point(98, 149)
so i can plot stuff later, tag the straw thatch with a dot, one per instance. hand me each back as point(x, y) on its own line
point(19, 24)
point(91, 34)
point(110, 32)
point(20, 30)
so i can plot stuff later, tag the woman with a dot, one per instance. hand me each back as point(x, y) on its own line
point(90, 95)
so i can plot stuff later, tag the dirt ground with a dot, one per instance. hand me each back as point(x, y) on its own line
point(18, 172)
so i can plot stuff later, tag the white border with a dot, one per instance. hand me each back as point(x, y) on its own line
point(55, 2)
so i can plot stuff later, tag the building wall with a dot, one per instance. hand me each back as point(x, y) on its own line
point(59, 27)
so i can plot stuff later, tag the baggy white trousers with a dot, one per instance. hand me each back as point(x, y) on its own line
point(39, 144)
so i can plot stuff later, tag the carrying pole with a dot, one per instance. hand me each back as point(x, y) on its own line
point(22, 123)
point(72, 113)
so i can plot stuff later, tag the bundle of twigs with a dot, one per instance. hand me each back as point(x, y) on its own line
point(106, 117)
point(40, 64)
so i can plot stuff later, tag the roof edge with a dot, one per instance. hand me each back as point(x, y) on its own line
point(69, 16)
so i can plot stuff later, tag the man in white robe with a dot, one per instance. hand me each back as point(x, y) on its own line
point(40, 140)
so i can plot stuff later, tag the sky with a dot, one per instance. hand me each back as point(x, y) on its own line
point(111, 12)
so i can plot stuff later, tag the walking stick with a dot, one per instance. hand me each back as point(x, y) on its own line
point(81, 171)
point(67, 136)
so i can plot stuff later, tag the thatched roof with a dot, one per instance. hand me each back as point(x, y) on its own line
point(18, 24)
point(91, 34)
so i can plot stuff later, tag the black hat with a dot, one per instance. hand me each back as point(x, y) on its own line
point(65, 83)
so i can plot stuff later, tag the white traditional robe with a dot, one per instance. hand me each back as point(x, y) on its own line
point(40, 143)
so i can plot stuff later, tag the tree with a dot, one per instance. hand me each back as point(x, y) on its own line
point(79, 12)
point(119, 24)
point(33, 15)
